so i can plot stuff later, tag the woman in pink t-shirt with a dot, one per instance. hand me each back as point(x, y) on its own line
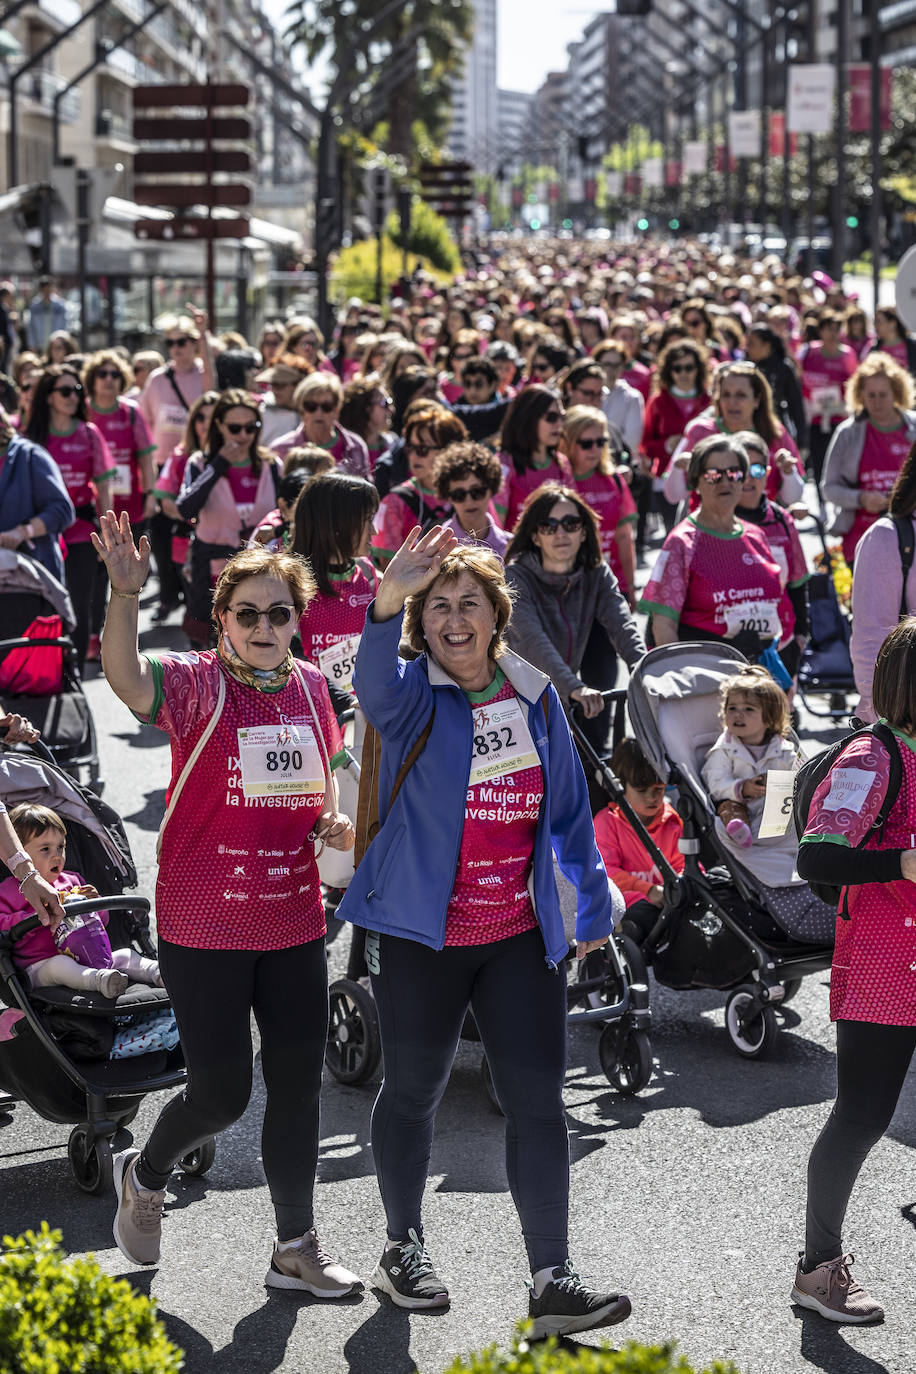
point(529, 440)
point(826, 368)
point(238, 901)
point(873, 981)
point(58, 422)
point(893, 338)
point(225, 493)
point(585, 443)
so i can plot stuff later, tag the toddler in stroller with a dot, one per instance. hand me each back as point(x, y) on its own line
point(47, 956)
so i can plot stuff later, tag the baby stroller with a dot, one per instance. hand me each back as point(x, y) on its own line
point(38, 675)
point(826, 664)
point(717, 928)
point(55, 1042)
point(614, 997)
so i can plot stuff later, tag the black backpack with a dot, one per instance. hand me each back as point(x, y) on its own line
point(903, 524)
point(812, 774)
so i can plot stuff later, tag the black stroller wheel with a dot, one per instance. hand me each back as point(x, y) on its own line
point(200, 1160)
point(791, 986)
point(486, 1074)
point(751, 1028)
point(354, 1044)
point(90, 1163)
point(626, 1057)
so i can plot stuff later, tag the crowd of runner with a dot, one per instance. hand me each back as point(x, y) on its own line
point(617, 442)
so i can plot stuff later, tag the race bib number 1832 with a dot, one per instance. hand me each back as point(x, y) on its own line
point(502, 742)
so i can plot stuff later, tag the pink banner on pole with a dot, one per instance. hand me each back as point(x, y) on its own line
point(673, 172)
point(860, 98)
point(777, 135)
point(632, 183)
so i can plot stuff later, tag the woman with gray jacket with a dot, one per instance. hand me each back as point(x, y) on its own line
point(563, 590)
point(867, 451)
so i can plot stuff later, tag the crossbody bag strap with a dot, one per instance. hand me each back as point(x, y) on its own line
point(194, 756)
point(170, 373)
point(331, 795)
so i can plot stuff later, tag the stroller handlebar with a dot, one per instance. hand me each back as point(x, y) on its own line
point(84, 906)
point(38, 746)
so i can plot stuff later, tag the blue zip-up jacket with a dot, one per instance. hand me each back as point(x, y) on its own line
point(31, 486)
point(403, 885)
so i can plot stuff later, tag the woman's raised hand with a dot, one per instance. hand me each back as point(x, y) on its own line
point(415, 565)
point(127, 565)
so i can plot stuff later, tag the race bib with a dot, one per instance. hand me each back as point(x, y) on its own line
point(277, 760)
point(760, 617)
point(337, 660)
point(502, 742)
point(777, 806)
point(120, 482)
point(827, 400)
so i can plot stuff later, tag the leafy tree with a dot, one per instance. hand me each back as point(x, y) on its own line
point(399, 76)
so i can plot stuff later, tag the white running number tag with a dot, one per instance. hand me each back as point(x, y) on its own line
point(280, 759)
point(337, 660)
point(760, 616)
point(502, 742)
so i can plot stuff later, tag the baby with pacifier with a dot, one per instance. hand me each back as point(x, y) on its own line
point(72, 953)
point(756, 717)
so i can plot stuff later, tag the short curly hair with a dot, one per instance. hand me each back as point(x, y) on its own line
point(466, 459)
point(487, 569)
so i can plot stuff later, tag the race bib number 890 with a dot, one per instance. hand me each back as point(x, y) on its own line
point(279, 760)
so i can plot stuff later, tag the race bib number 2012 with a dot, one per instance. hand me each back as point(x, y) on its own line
point(760, 617)
point(502, 742)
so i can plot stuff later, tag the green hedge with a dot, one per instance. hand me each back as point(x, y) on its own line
point(553, 1357)
point(429, 236)
point(354, 268)
point(60, 1316)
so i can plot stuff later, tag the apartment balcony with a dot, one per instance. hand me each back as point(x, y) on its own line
point(38, 88)
point(58, 14)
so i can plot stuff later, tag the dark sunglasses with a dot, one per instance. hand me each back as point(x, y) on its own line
point(26, 386)
point(244, 429)
point(474, 382)
point(716, 474)
point(382, 401)
point(569, 523)
point(552, 416)
point(589, 444)
point(179, 342)
point(540, 367)
point(67, 391)
point(311, 406)
point(694, 323)
point(683, 367)
point(461, 357)
point(421, 450)
point(461, 494)
point(248, 617)
point(757, 470)
point(111, 373)
point(593, 397)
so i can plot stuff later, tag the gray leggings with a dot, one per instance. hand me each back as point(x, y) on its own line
point(872, 1062)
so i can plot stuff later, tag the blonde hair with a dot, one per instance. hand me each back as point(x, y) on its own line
point(318, 384)
point(756, 684)
point(487, 569)
point(578, 420)
point(880, 365)
point(29, 820)
point(258, 561)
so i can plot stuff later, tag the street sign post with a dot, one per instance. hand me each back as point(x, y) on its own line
point(191, 119)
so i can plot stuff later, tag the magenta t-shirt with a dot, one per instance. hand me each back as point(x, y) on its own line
point(516, 487)
point(874, 961)
point(820, 372)
point(490, 899)
point(883, 454)
point(237, 870)
point(127, 435)
point(611, 500)
point(244, 484)
point(718, 583)
point(83, 458)
point(331, 627)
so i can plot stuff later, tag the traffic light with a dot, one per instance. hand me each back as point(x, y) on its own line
point(852, 221)
point(674, 224)
point(642, 224)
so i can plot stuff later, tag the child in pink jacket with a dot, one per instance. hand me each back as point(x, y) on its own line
point(43, 837)
point(626, 858)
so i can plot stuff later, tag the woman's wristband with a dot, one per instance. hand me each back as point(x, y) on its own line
point(14, 860)
point(125, 596)
point(32, 873)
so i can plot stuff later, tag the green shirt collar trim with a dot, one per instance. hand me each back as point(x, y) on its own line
point(488, 693)
point(717, 534)
point(901, 735)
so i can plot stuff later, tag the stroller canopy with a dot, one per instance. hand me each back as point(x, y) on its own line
point(21, 574)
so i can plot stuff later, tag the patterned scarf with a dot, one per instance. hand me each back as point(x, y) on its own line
point(262, 679)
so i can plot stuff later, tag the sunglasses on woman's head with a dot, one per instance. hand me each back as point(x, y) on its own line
point(67, 391)
point(248, 617)
point(717, 474)
point(589, 444)
point(311, 406)
point(569, 523)
point(757, 470)
point(461, 494)
point(244, 429)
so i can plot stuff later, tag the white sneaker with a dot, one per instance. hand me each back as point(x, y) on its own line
point(111, 982)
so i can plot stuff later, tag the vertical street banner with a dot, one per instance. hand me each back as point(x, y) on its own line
point(744, 133)
point(694, 156)
point(811, 91)
point(652, 174)
point(614, 183)
point(673, 172)
point(860, 98)
point(631, 185)
point(778, 134)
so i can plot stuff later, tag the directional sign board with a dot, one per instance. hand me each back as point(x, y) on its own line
point(188, 228)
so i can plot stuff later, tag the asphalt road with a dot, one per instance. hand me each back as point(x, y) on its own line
point(689, 1197)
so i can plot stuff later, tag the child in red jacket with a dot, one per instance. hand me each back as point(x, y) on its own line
point(626, 859)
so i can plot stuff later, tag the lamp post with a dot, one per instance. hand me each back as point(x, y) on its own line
point(874, 39)
point(839, 206)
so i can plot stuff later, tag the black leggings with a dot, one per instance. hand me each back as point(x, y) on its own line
point(161, 529)
point(81, 566)
point(422, 996)
point(213, 993)
point(872, 1061)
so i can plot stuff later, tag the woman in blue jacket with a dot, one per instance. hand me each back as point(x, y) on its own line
point(458, 895)
point(34, 505)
